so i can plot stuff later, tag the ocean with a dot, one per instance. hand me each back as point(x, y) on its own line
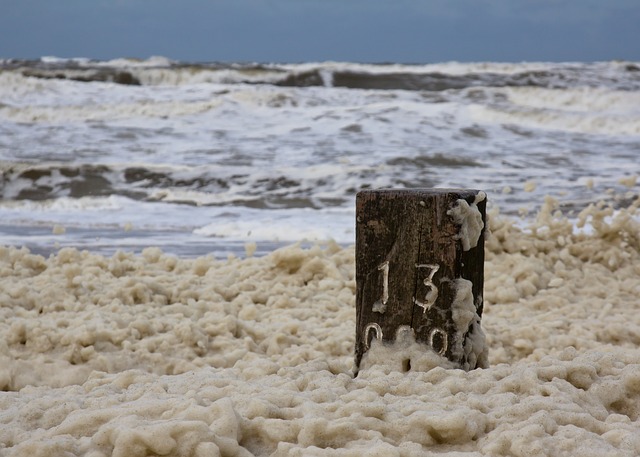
point(203, 158)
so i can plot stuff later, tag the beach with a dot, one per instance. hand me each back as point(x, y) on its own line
point(177, 272)
point(153, 354)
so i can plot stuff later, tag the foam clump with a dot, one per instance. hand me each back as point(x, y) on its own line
point(153, 354)
point(470, 341)
point(469, 218)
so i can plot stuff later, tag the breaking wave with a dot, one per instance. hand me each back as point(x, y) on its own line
point(430, 77)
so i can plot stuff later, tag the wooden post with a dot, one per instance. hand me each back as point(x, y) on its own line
point(417, 252)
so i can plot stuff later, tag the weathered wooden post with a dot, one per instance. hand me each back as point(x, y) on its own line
point(420, 264)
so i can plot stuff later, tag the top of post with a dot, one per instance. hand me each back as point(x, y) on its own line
point(420, 190)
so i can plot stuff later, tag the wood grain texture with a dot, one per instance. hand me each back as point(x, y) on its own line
point(404, 234)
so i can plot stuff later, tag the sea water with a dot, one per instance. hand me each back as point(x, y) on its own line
point(201, 158)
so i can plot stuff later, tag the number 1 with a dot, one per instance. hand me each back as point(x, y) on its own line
point(381, 305)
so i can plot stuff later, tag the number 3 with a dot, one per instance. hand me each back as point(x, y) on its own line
point(432, 295)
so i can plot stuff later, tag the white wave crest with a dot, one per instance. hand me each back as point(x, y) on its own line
point(586, 110)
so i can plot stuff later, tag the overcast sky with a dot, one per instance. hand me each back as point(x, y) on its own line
point(406, 31)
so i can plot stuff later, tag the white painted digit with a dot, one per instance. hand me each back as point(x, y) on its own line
point(371, 326)
point(380, 306)
point(443, 336)
point(432, 295)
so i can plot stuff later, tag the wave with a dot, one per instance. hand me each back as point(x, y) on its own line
point(198, 186)
point(105, 112)
point(430, 77)
point(307, 186)
point(583, 110)
point(579, 100)
point(285, 225)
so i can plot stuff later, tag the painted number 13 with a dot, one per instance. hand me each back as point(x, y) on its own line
point(430, 298)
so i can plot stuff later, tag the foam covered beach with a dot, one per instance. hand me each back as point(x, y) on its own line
point(153, 354)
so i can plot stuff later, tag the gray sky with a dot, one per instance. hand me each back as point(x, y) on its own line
point(417, 31)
